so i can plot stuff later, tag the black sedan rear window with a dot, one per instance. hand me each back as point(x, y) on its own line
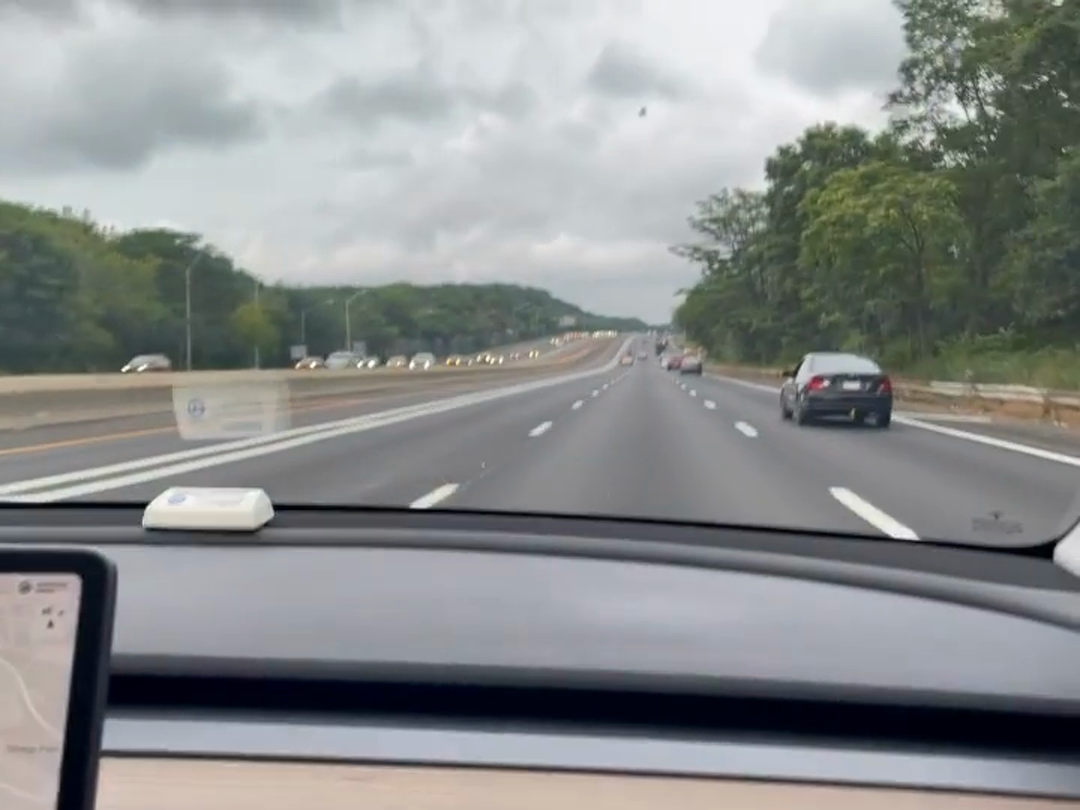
point(844, 364)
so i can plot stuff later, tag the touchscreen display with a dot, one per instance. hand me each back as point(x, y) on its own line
point(38, 623)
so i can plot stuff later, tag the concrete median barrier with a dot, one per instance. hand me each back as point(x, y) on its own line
point(32, 401)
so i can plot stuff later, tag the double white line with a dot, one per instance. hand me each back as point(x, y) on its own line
point(138, 471)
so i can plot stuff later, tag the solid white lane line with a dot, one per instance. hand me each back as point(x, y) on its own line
point(871, 514)
point(576, 405)
point(434, 497)
point(746, 429)
point(540, 429)
point(991, 441)
point(970, 419)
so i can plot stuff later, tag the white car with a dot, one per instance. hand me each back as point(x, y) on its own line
point(422, 361)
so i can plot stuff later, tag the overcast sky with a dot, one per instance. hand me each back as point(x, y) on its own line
point(366, 141)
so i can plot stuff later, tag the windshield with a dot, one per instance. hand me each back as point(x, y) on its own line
point(553, 211)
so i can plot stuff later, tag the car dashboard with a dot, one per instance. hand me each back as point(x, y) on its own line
point(382, 658)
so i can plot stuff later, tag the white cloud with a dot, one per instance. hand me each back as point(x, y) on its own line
point(463, 140)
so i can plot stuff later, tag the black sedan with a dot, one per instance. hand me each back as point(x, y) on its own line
point(826, 384)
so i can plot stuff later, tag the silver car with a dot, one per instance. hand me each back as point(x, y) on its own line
point(690, 364)
point(422, 361)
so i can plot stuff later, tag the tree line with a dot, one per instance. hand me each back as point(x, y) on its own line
point(947, 243)
point(76, 296)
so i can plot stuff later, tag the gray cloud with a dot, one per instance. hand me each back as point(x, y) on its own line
point(624, 72)
point(116, 107)
point(45, 7)
point(419, 96)
point(289, 11)
point(294, 133)
point(827, 48)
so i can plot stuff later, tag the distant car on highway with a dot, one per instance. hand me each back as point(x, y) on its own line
point(626, 360)
point(147, 362)
point(674, 362)
point(397, 361)
point(642, 355)
point(837, 384)
point(343, 360)
point(690, 364)
point(422, 361)
point(310, 364)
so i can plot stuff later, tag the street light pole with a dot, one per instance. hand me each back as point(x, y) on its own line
point(258, 362)
point(187, 306)
point(348, 323)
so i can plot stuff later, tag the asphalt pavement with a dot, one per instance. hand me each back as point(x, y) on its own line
point(628, 441)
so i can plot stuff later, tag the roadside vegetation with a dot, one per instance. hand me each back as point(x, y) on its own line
point(947, 245)
point(75, 296)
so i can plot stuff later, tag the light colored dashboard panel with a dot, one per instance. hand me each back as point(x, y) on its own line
point(184, 784)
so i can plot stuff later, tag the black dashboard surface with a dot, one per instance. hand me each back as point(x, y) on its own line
point(509, 594)
point(724, 612)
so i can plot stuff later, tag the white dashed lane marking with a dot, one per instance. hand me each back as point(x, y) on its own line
point(884, 523)
point(746, 429)
point(540, 429)
point(434, 497)
point(576, 405)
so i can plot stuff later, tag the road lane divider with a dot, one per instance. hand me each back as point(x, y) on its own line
point(577, 405)
point(884, 523)
point(117, 476)
point(37, 400)
point(710, 405)
point(540, 430)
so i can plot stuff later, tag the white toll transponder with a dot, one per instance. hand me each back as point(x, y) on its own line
point(884, 523)
point(220, 509)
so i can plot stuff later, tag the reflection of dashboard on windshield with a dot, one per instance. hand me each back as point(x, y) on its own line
point(400, 646)
point(37, 646)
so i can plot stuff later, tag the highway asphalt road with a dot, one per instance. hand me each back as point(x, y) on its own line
point(631, 441)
